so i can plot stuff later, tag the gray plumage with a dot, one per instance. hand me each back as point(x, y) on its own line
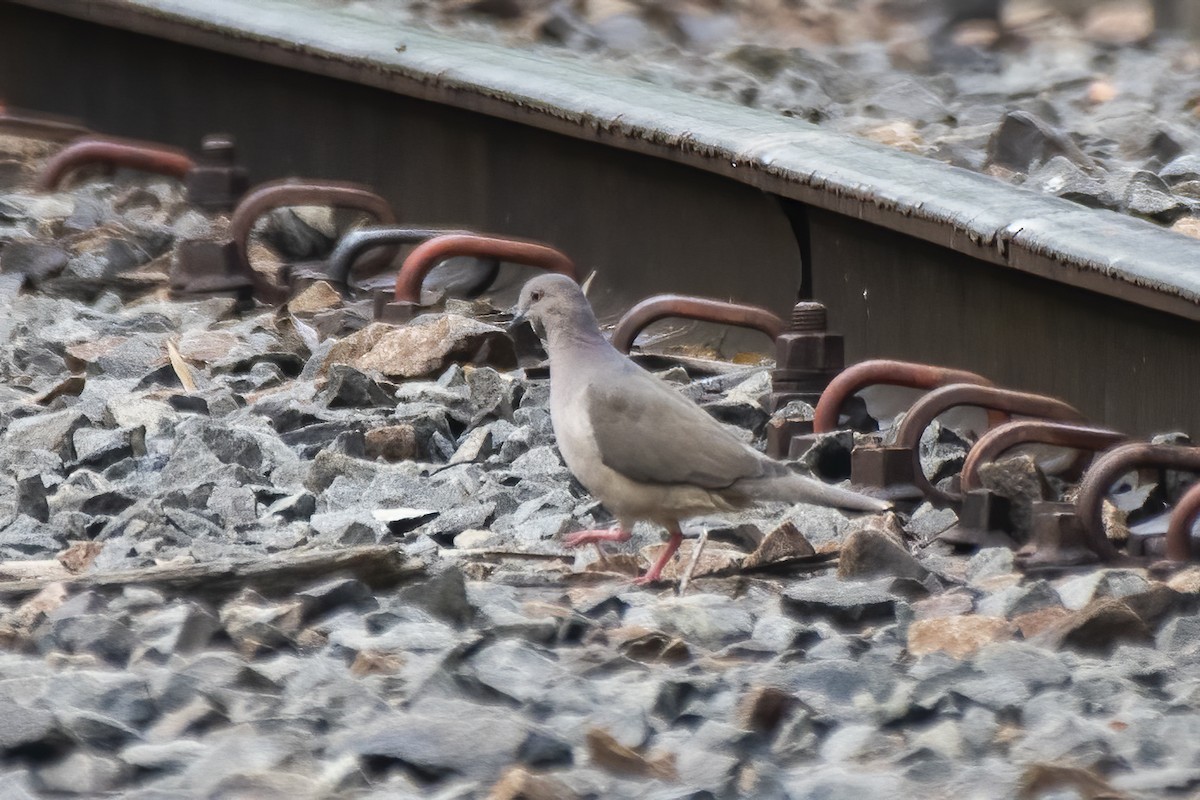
point(639, 446)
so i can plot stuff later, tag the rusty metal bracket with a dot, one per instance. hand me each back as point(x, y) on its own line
point(703, 309)
point(1057, 539)
point(997, 441)
point(295, 192)
point(807, 358)
point(892, 373)
point(1112, 465)
point(405, 300)
point(217, 182)
point(984, 520)
point(86, 150)
point(1179, 545)
point(205, 268)
point(357, 242)
point(937, 402)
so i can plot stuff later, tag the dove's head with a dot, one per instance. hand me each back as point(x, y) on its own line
point(556, 304)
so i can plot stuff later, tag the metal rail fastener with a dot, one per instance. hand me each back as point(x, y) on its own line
point(406, 298)
point(357, 242)
point(217, 182)
point(807, 356)
point(87, 150)
point(1179, 530)
point(295, 192)
point(1112, 465)
point(929, 407)
point(985, 516)
point(703, 309)
point(998, 440)
point(891, 373)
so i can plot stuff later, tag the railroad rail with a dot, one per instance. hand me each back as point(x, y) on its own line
point(657, 190)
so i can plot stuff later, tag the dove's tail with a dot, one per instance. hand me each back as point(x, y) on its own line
point(798, 489)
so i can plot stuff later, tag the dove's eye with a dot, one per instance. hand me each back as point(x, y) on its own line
point(535, 295)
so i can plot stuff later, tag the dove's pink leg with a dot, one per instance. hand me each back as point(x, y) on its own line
point(655, 572)
point(591, 537)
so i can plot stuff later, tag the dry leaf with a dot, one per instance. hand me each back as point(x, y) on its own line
point(182, 370)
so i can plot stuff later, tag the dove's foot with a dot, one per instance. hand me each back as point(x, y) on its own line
point(581, 538)
point(654, 574)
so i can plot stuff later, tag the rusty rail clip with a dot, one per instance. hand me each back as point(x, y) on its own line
point(998, 440)
point(86, 150)
point(295, 192)
point(405, 299)
point(908, 435)
point(703, 309)
point(1112, 465)
point(891, 373)
point(357, 242)
point(984, 518)
point(1179, 544)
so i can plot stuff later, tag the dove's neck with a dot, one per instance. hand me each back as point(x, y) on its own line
point(576, 334)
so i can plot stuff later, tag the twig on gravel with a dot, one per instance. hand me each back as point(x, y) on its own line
point(378, 566)
point(687, 576)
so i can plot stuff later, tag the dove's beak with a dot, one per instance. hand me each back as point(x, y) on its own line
point(518, 318)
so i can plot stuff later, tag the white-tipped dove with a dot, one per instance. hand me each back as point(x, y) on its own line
point(639, 446)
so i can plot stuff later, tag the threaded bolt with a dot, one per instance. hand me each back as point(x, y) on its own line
point(219, 148)
point(808, 317)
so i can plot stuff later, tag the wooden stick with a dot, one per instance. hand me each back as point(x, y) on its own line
point(687, 576)
point(378, 566)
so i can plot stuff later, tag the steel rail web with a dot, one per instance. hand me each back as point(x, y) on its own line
point(970, 213)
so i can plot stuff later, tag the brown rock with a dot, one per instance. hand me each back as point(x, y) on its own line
point(265, 261)
point(1035, 622)
point(1188, 226)
point(424, 347)
point(1116, 525)
point(92, 349)
point(1101, 91)
point(872, 552)
point(763, 708)
point(392, 443)
point(206, 346)
point(959, 636)
point(79, 556)
point(610, 755)
point(1040, 780)
point(1021, 480)
point(350, 349)
point(72, 386)
point(518, 783)
point(618, 563)
point(1154, 604)
point(900, 134)
point(1119, 23)
point(374, 662)
point(257, 626)
point(951, 604)
point(1186, 582)
point(714, 560)
point(1097, 627)
point(656, 647)
point(320, 296)
point(782, 544)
